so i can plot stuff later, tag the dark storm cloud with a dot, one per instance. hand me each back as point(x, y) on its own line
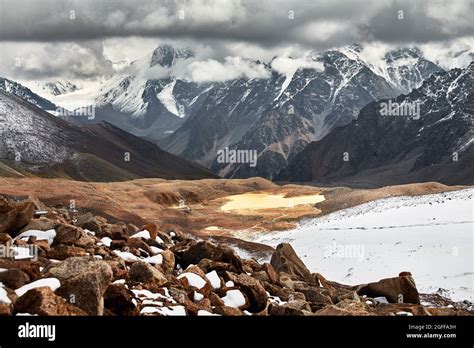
point(265, 23)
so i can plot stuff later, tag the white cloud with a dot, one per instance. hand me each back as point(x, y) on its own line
point(288, 66)
point(232, 68)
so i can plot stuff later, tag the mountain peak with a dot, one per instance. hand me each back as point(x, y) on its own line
point(166, 55)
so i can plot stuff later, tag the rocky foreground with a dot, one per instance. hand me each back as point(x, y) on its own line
point(58, 261)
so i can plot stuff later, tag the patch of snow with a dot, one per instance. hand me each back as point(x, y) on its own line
point(229, 284)
point(166, 97)
point(154, 260)
point(142, 234)
point(106, 241)
point(126, 255)
point(429, 235)
point(53, 283)
point(193, 279)
point(3, 296)
point(234, 298)
point(167, 311)
point(202, 312)
point(155, 250)
point(214, 279)
point(40, 235)
point(198, 296)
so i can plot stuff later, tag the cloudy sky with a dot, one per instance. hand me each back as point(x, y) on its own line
point(78, 39)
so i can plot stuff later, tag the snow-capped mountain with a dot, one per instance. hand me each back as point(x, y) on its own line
point(35, 142)
point(276, 116)
point(27, 94)
point(380, 149)
point(59, 87)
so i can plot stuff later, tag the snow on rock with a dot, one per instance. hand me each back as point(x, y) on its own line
point(167, 311)
point(106, 241)
point(197, 296)
point(214, 279)
point(234, 298)
point(154, 260)
point(155, 250)
point(3, 296)
point(53, 283)
point(429, 236)
point(40, 235)
point(126, 255)
point(193, 279)
point(142, 234)
point(229, 284)
point(203, 313)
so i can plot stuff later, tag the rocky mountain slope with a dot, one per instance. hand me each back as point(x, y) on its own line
point(25, 93)
point(35, 142)
point(276, 116)
point(380, 150)
point(120, 269)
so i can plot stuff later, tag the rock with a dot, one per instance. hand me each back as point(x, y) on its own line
point(5, 239)
point(345, 294)
point(138, 243)
point(14, 278)
point(63, 252)
point(143, 272)
point(14, 216)
point(395, 290)
point(253, 290)
point(119, 269)
point(29, 267)
point(228, 311)
point(83, 282)
point(345, 308)
point(284, 259)
point(313, 293)
point(117, 231)
point(297, 308)
point(117, 244)
point(67, 234)
point(284, 294)
point(152, 228)
point(43, 301)
point(272, 275)
point(40, 224)
point(168, 261)
point(215, 299)
point(118, 299)
point(262, 276)
point(5, 309)
point(207, 250)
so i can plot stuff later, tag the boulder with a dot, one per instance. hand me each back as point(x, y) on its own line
point(5, 239)
point(83, 282)
point(43, 301)
point(400, 289)
point(284, 259)
point(40, 224)
point(253, 290)
point(14, 278)
point(118, 299)
point(207, 250)
point(293, 308)
point(228, 311)
point(15, 215)
point(143, 272)
point(67, 234)
point(63, 252)
point(168, 261)
point(313, 293)
point(29, 267)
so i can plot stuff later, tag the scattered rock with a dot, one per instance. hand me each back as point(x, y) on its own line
point(207, 250)
point(144, 273)
point(14, 278)
point(395, 290)
point(284, 259)
point(14, 215)
point(118, 299)
point(83, 282)
point(43, 301)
